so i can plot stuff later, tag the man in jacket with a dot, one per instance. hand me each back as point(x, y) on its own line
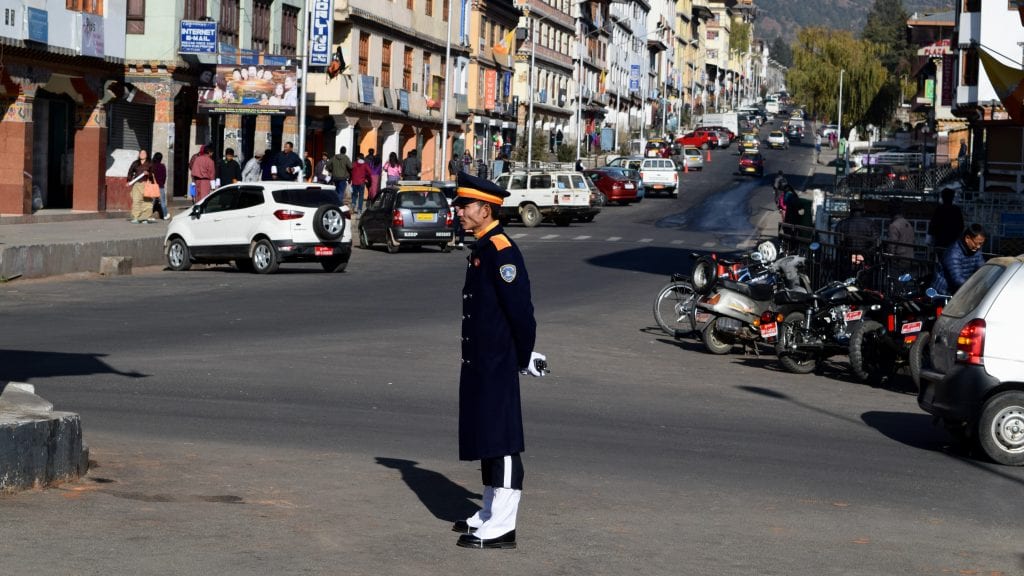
point(411, 167)
point(341, 170)
point(498, 335)
point(228, 171)
point(960, 260)
point(288, 165)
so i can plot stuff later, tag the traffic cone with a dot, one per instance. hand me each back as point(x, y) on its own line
point(709, 155)
point(686, 166)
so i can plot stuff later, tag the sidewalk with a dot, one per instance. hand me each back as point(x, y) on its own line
point(65, 242)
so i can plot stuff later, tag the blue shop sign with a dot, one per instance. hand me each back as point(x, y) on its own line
point(198, 37)
point(322, 16)
point(38, 25)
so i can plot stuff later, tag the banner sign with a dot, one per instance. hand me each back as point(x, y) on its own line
point(92, 35)
point(198, 37)
point(634, 78)
point(322, 16)
point(38, 25)
point(490, 88)
point(248, 90)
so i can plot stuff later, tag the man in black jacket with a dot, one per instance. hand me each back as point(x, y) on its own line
point(287, 165)
point(228, 170)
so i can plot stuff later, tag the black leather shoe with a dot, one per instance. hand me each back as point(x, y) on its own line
point(462, 527)
point(507, 540)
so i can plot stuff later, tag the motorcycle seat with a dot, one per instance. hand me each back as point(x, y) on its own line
point(793, 297)
point(761, 292)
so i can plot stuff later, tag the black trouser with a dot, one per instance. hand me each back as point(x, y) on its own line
point(502, 472)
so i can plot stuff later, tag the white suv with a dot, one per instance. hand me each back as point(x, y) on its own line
point(258, 225)
point(972, 371)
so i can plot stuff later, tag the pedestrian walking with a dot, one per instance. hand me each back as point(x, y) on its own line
point(203, 171)
point(360, 178)
point(287, 165)
point(481, 168)
point(817, 148)
point(228, 170)
point(393, 169)
point(341, 170)
point(252, 171)
point(498, 337)
point(139, 174)
point(321, 172)
point(900, 234)
point(376, 169)
point(266, 164)
point(960, 260)
point(307, 166)
point(411, 166)
point(159, 170)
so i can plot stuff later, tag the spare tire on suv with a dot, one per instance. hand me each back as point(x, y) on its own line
point(329, 223)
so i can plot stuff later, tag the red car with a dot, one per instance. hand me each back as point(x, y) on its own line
point(751, 163)
point(699, 138)
point(614, 185)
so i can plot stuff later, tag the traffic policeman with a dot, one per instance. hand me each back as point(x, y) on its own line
point(498, 335)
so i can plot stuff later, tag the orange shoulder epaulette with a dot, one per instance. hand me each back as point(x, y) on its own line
point(501, 242)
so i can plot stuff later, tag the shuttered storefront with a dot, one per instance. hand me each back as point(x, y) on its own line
point(131, 126)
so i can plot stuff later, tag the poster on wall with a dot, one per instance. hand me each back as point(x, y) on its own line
point(248, 89)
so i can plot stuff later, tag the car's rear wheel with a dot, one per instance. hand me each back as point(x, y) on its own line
point(334, 264)
point(178, 256)
point(392, 244)
point(329, 223)
point(1001, 428)
point(364, 238)
point(530, 214)
point(264, 257)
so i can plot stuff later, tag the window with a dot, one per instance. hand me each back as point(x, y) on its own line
point(385, 65)
point(428, 7)
point(407, 70)
point(971, 66)
point(364, 53)
point(227, 28)
point(260, 25)
point(136, 16)
point(410, 4)
point(195, 9)
point(289, 30)
point(445, 7)
point(87, 6)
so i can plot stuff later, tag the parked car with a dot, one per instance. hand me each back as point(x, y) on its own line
point(776, 139)
point(972, 371)
point(656, 174)
point(597, 201)
point(751, 163)
point(725, 135)
point(700, 138)
point(829, 129)
point(560, 196)
point(410, 214)
point(259, 225)
point(613, 184)
point(691, 158)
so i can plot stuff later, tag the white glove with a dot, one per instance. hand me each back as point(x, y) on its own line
point(531, 368)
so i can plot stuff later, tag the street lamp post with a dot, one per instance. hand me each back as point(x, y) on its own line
point(447, 91)
point(839, 128)
point(533, 65)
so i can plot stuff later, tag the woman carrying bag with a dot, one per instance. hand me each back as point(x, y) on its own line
point(144, 189)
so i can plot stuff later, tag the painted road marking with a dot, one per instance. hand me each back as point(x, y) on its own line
point(646, 240)
point(520, 235)
point(582, 238)
point(678, 242)
point(549, 237)
point(614, 238)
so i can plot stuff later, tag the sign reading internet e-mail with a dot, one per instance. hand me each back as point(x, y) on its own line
point(320, 38)
point(198, 37)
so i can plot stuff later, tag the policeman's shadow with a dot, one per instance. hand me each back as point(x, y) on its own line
point(24, 365)
point(445, 499)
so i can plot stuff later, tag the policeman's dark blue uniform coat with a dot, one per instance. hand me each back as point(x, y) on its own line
point(498, 334)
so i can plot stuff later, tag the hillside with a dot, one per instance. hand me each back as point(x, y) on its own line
point(785, 17)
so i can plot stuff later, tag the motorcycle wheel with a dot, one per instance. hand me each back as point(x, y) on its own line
point(712, 341)
point(920, 357)
point(795, 361)
point(868, 358)
point(674, 308)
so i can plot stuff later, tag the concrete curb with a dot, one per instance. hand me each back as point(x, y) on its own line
point(38, 447)
point(40, 260)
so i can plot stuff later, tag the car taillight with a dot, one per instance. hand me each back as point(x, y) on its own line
point(617, 186)
point(970, 343)
point(396, 218)
point(448, 218)
point(288, 214)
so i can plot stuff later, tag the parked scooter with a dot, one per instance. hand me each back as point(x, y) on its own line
point(740, 312)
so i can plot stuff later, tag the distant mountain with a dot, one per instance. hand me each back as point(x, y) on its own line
point(785, 17)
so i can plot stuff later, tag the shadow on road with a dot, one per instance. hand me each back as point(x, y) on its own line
point(23, 365)
point(445, 499)
point(651, 259)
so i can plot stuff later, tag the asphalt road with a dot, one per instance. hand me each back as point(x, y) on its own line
point(305, 423)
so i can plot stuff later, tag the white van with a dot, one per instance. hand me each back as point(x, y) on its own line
point(558, 196)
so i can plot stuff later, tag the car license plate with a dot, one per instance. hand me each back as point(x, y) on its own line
point(749, 170)
point(628, 186)
point(703, 317)
point(658, 186)
point(910, 328)
point(853, 315)
point(769, 330)
point(444, 234)
point(323, 251)
point(425, 217)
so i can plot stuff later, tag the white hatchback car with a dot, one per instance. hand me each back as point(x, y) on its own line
point(259, 225)
point(971, 366)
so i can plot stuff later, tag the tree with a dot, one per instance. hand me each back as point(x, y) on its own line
point(781, 52)
point(886, 27)
point(818, 57)
point(739, 37)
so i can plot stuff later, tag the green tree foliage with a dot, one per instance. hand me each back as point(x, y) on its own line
point(887, 27)
point(818, 57)
point(739, 37)
point(781, 52)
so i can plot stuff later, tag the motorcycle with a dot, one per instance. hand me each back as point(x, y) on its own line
point(883, 341)
point(818, 325)
point(740, 312)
